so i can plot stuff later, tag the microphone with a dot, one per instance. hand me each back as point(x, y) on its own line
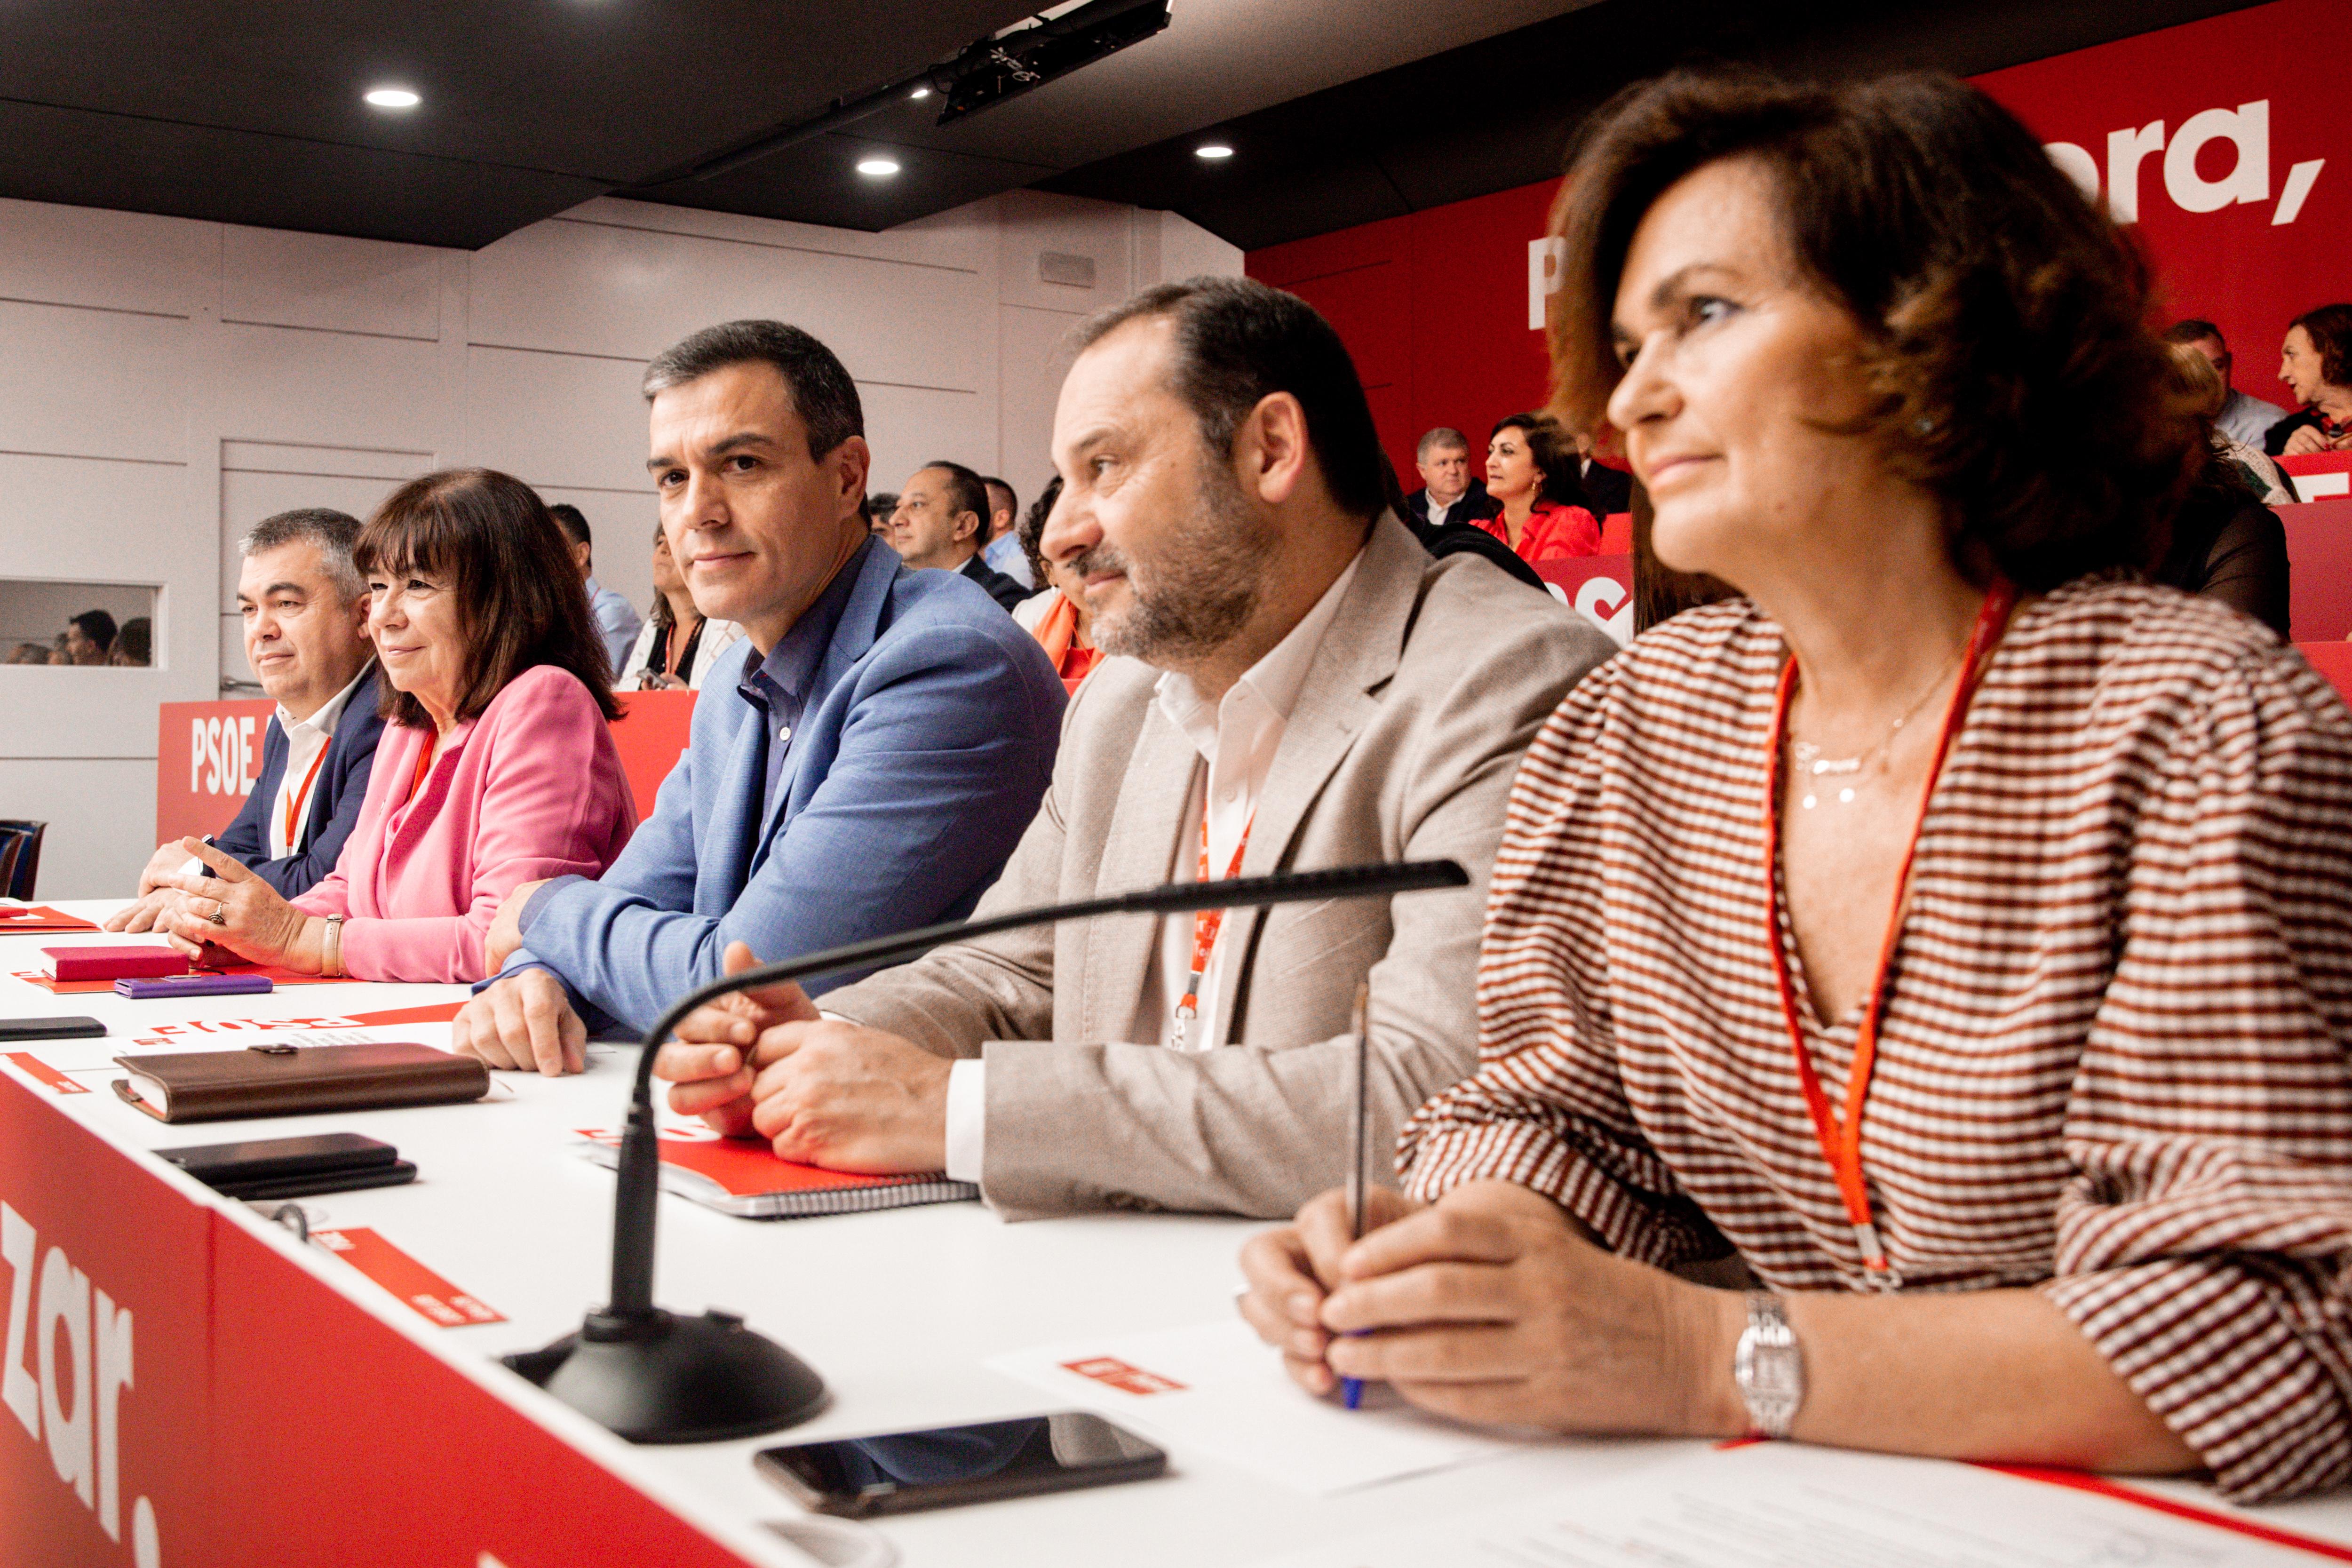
point(654, 1378)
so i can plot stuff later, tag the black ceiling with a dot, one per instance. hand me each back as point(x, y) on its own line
point(1341, 111)
point(1501, 112)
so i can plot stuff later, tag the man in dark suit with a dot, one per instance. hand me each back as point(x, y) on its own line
point(305, 609)
point(941, 521)
point(1610, 490)
point(1448, 493)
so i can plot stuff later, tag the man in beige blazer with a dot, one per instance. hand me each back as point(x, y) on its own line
point(1294, 684)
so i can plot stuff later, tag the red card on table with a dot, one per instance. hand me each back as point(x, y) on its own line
point(428, 1293)
point(1124, 1376)
point(26, 920)
point(47, 1074)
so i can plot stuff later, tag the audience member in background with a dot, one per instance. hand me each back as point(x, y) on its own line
point(2091, 1214)
point(1531, 470)
point(2256, 470)
point(1058, 617)
point(2315, 363)
point(87, 637)
point(1607, 490)
point(1455, 538)
point(1448, 494)
point(59, 652)
point(305, 609)
point(134, 644)
point(2224, 543)
point(1004, 553)
point(863, 763)
point(30, 653)
point(878, 508)
point(497, 765)
point(1291, 683)
point(679, 646)
point(938, 524)
point(616, 618)
point(2243, 418)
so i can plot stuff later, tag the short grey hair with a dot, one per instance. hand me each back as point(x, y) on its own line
point(1444, 436)
point(824, 395)
point(334, 532)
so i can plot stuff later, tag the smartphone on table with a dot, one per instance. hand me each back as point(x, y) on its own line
point(900, 1472)
point(259, 1169)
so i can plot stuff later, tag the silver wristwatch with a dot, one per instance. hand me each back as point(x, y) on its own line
point(1769, 1367)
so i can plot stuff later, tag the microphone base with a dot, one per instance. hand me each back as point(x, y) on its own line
point(659, 1378)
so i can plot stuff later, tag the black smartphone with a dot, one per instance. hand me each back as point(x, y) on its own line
point(900, 1472)
point(293, 1167)
point(50, 1029)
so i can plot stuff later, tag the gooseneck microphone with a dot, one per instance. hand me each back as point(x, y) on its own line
point(654, 1378)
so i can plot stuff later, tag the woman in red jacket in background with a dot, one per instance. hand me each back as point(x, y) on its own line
point(1532, 470)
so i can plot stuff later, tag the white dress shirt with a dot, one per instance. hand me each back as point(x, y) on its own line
point(1437, 512)
point(1236, 739)
point(307, 740)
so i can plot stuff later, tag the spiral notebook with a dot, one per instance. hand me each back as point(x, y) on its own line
point(746, 1179)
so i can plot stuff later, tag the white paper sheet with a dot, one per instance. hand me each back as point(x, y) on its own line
point(1213, 1389)
point(1784, 1505)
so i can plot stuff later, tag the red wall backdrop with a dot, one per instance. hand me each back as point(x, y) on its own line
point(1434, 305)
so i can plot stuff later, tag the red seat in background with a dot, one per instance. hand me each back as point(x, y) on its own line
point(2319, 569)
point(1616, 534)
point(2332, 660)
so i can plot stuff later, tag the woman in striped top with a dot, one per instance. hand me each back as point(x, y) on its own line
point(1953, 929)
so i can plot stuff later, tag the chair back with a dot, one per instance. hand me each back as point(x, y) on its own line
point(20, 857)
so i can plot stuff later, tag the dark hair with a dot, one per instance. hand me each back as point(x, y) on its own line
point(967, 491)
point(490, 538)
point(881, 504)
point(1032, 531)
point(2194, 330)
point(1554, 458)
point(823, 394)
point(572, 520)
point(1238, 342)
point(136, 641)
point(2003, 315)
point(95, 625)
point(330, 532)
point(2329, 328)
point(1012, 497)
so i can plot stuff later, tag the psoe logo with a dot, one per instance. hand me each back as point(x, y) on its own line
point(2246, 128)
point(221, 755)
point(83, 1346)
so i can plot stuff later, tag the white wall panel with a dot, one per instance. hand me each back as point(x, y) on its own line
point(279, 384)
point(331, 284)
point(1036, 221)
point(963, 240)
point(92, 383)
point(101, 813)
point(622, 527)
point(909, 427)
point(556, 419)
point(116, 261)
point(1188, 250)
point(591, 289)
point(1034, 355)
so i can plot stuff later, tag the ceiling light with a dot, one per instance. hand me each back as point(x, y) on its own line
point(920, 92)
point(877, 168)
point(392, 98)
point(1212, 151)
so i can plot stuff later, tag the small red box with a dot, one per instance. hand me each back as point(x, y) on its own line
point(121, 962)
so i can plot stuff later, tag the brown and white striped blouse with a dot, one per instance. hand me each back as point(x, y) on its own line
point(2113, 1062)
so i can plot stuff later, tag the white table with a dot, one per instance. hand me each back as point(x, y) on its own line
point(897, 1310)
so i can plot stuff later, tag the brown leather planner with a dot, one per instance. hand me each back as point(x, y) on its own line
point(297, 1080)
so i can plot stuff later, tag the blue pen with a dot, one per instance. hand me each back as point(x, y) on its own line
point(1351, 1389)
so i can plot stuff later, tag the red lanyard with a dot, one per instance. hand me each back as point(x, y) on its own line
point(294, 802)
point(425, 760)
point(1841, 1142)
point(1206, 924)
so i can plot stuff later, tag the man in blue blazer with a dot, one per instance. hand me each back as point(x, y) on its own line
point(305, 610)
point(863, 764)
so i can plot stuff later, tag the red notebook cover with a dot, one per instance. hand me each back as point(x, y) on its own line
point(28, 919)
point(746, 1179)
point(142, 961)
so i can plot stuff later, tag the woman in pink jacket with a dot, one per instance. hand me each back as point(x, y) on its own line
point(495, 767)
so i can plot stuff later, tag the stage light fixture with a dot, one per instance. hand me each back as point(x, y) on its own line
point(1212, 151)
point(391, 98)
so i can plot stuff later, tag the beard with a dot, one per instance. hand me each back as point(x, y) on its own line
point(1199, 586)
